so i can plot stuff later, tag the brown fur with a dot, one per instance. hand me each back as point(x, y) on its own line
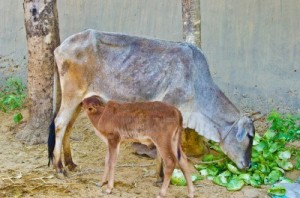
point(145, 122)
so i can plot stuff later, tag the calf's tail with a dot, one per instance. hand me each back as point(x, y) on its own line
point(179, 134)
point(51, 142)
point(179, 131)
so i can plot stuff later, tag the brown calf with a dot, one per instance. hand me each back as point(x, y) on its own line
point(145, 122)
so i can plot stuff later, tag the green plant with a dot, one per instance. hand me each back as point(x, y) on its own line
point(12, 96)
point(270, 157)
point(286, 127)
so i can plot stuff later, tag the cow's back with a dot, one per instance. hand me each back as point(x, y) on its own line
point(129, 69)
point(125, 68)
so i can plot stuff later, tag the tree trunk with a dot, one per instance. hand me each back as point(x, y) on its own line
point(192, 142)
point(191, 19)
point(42, 32)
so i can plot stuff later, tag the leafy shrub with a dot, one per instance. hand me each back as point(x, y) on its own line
point(12, 96)
point(286, 127)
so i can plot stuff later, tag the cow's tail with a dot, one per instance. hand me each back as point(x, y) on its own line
point(56, 106)
point(51, 141)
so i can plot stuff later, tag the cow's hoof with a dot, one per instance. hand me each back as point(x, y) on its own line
point(61, 175)
point(142, 149)
point(72, 166)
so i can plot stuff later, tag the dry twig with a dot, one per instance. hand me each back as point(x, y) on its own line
point(211, 162)
point(136, 165)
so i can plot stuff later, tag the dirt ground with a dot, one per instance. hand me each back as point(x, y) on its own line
point(24, 171)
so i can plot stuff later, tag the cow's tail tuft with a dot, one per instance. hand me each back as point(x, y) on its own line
point(51, 142)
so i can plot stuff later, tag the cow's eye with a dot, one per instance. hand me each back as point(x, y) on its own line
point(90, 109)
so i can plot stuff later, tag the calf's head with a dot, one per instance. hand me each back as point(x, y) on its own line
point(93, 106)
point(237, 144)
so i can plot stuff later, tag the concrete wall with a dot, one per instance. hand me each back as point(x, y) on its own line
point(13, 49)
point(253, 46)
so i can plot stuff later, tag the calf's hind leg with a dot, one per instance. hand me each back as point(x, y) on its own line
point(184, 166)
point(169, 160)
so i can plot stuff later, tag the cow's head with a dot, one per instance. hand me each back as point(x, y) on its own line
point(237, 144)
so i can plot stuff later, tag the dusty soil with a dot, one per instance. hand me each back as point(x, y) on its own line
point(24, 171)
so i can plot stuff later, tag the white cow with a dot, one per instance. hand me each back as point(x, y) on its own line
point(128, 69)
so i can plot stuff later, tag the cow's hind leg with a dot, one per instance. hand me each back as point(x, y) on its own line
point(62, 121)
point(66, 142)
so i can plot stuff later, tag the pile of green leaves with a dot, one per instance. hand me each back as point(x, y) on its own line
point(12, 96)
point(270, 157)
point(178, 179)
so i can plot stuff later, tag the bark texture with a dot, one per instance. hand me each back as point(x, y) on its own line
point(192, 142)
point(191, 18)
point(42, 33)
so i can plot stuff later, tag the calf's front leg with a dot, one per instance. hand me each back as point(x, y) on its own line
point(110, 163)
point(106, 169)
point(113, 154)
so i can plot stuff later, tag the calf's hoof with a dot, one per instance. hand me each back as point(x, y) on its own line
point(108, 191)
point(158, 182)
point(160, 195)
point(100, 184)
point(191, 193)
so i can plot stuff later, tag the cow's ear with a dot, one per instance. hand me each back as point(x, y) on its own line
point(241, 134)
point(242, 130)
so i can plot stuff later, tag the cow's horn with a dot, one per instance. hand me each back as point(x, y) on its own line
point(253, 113)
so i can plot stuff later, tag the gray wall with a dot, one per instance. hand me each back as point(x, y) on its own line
point(252, 46)
point(12, 40)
